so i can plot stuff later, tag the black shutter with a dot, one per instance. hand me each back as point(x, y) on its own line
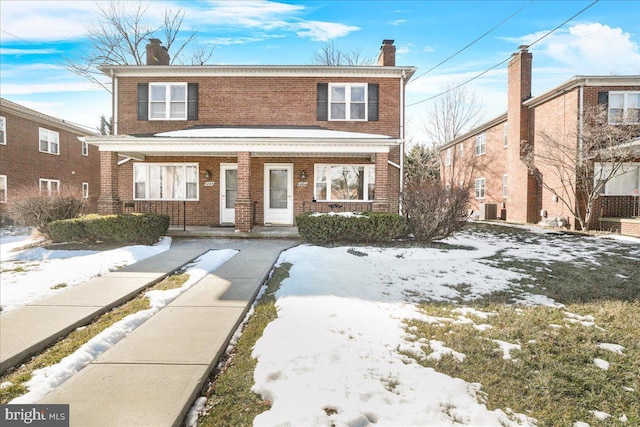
point(323, 101)
point(143, 101)
point(603, 98)
point(372, 101)
point(192, 101)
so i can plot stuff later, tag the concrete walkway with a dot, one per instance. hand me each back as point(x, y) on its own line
point(153, 375)
point(29, 329)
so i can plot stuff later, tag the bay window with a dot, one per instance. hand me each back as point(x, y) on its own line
point(165, 181)
point(344, 182)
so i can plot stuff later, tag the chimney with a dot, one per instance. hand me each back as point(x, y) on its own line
point(156, 53)
point(387, 57)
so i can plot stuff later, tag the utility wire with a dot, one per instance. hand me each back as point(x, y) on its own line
point(501, 62)
point(473, 42)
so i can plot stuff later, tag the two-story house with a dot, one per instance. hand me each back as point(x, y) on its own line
point(41, 151)
point(244, 145)
point(490, 159)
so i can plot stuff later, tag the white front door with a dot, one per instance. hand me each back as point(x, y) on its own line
point(228, 192)
point(278, 194)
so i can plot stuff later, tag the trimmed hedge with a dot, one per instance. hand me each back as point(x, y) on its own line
point(143, 229)
point(367, 227)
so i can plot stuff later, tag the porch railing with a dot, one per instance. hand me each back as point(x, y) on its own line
point(618, 206)
point(325, 207)
point(177, 210)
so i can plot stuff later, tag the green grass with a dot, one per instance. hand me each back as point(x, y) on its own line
point(230, 399)
point(69, 344)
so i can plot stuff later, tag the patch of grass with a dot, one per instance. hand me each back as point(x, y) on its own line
point(356, 252)
point(552, 377)
point(59, 286)
point(18, 269)
point(230, 399)
point(69, 344)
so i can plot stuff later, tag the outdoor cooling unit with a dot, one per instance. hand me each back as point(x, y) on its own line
point(488, 211)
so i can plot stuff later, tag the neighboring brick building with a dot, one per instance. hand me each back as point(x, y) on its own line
point(37, 150)
point(492, 161)
point(244, 145)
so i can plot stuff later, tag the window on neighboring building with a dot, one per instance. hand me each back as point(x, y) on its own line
point(49, 141)
point(347, 101)
point(624, 107)
point(49, 186)
point(85, 190)
point(85, 148)
point(625, 182)
point(165, 181)
point(505, 141)
point(461, 149)
point(344, 182)
point(504, 186)
point(479, 188)
point(3, 130)
point(481, 144)
point(167, 101)
point(3, 188)
point(447, 157)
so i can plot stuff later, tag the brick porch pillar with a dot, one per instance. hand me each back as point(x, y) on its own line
point(244, 206)
point(381, 200)
point(109, 201)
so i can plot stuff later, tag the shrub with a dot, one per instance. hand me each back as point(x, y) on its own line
point(143, 229)
point(434, 212)
point(34, 209)
point(368, 227)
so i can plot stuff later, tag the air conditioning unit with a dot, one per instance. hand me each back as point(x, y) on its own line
point(488, 211)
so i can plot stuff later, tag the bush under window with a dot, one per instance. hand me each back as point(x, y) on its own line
point(367, 227)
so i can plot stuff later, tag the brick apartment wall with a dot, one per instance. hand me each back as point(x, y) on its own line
point(23, 163)
point(259, 101)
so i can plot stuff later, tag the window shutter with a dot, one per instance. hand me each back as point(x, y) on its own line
point(373, 102)
point(192, 101)
point(143, 101)
point(323, 102)
point(603, 98)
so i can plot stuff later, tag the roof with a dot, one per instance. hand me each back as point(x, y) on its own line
point(22, 111)
point(479, 129)
point(373, 71)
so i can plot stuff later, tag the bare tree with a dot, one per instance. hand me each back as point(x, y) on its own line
point(576, 169)
point(452, 114)
point(329, 54)
point(119, 38)
point(106, 126)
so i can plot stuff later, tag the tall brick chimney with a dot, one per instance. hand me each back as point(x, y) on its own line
point(387, 57)
point(156, 53)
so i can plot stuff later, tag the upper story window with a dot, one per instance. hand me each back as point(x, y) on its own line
point(347, 101)
point(447, 157)
point(49, 141)
point(167, 101)
point(165, 181)
point(624, 107)
point(3, 188)
point(85, 148)
point(345, 182)
point(505, 141)
point(461, 149)
point(3, 130)
point(49, 186)
point(505, 189)
point(481, 144)
point(480, 188)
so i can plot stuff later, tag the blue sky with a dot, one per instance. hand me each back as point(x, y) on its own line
point(37, 37)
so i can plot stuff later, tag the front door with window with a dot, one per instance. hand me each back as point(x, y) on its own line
point(278, 194)
point(228, 192)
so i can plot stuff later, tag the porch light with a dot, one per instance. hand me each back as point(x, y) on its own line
point(207, 174)
point(303, 175)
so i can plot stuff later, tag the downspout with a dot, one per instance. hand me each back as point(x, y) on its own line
point(115, 102)
point(402, 79)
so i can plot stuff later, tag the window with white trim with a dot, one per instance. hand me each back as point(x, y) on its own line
point(480, 187)
point(481, 144)
point(165, 181)
point(505, 140)
point(447, 157)
point(3, 130)
point(85, 148)
point(347, 101)
point(167, 101)
point(624, 182)
point(624, 107)
point(85, 190)
point(49, 186)
point(461, 149)
point(344, 182)
point(504, 186)
point(3, 188)
point(49, 141)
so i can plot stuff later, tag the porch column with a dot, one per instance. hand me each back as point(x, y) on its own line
point(381, 199)
point(109, 201)
point(244, 206)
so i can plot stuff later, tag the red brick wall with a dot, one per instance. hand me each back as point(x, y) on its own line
point(256, 101)
point(23, 163)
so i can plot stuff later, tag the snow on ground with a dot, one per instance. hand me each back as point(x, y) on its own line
point(615, 348)
point(46, 379)
point(31, 274)
point(337, 353)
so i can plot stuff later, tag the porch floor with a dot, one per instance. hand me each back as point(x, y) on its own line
point(259, 232)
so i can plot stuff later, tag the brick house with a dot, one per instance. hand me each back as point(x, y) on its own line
point(489, 158)
point(243, 145)
point(37, 150)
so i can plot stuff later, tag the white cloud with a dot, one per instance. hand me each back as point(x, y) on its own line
point(428, 49)
point(19, 52)
point(64, 87)
point(323, 31)
point(398, 22)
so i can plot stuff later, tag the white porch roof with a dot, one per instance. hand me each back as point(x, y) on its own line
point(228, 141)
